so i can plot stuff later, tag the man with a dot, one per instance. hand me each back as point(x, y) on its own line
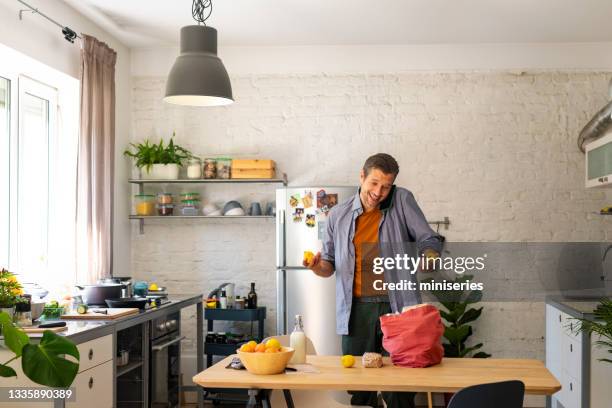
point(378, 221)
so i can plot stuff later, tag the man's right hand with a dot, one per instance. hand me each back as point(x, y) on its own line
point(319, 266)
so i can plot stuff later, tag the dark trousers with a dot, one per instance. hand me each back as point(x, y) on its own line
point(364, 336)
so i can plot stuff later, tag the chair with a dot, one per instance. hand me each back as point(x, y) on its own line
point(505, 394)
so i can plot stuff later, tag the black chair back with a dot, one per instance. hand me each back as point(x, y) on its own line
point(505, 394)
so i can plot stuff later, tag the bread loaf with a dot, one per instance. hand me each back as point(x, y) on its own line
point(372, 360)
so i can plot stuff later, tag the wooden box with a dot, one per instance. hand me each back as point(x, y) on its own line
point(253, 168)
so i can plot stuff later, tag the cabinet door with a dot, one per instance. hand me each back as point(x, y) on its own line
point(94, 387)
point(95, 352)
point(554, 334)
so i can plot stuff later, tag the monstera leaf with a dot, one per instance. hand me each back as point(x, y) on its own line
point(44, 363)
point(14, 338)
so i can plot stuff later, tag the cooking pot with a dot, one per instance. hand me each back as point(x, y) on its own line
point(124, 280)
point(140, 303)
point(96, 294)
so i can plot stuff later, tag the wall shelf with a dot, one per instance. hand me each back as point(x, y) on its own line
point(141, 183)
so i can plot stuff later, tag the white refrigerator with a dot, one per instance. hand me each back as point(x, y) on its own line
point(301, 219)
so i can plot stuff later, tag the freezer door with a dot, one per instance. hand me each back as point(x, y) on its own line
point(305, 218)
point(314, 298)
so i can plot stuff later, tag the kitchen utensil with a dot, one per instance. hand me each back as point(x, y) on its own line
point(38, 329)
point(123, 280)
point(266, 363)
point(211, 209)
point(110, 314)
point(127, 302)
point(271, 209)
point(123, 357)
point(51, 325)
point(233, 208)
point(255, 209)
point(96, 294)
point(35, 290)
point(141, 288)
point(37, 308)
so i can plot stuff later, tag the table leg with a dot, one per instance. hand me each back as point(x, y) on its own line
point(252, 402)
point(288, 398)
point(429, 400)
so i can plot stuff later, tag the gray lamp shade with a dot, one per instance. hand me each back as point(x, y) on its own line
point(198, 77)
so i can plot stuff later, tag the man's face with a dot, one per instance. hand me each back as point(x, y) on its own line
point(375, 188)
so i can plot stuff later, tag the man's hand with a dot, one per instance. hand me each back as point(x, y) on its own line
point(429, 255)
point(319, 266)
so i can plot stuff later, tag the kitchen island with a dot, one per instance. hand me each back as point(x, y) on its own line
point(100, 382)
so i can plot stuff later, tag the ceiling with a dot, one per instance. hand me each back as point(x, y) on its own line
point(150, 23)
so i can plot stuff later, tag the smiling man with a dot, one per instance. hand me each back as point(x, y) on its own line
point(380, 220)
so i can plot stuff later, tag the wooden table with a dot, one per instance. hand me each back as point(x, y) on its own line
point(451, 375)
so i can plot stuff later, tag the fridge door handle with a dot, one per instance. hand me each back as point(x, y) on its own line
point(280, 238)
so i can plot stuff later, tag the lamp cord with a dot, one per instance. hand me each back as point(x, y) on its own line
point(201, 10)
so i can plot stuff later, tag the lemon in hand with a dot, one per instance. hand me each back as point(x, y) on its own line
point(347, 361)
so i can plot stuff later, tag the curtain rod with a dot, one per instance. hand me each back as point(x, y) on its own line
point(69, 34)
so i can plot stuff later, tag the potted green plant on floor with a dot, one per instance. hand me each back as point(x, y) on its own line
point(158, 161)
point(601, 326)
point(10, 290)
point(458, 313)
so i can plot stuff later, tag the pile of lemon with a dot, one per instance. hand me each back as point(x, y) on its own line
point(270, 346)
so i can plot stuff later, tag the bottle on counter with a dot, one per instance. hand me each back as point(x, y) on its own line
point(297, 341)
point(252, 298)
point(223, 300)
point(239, 303)
point(23, 312)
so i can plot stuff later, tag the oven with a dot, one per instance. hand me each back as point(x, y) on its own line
point(165, 352)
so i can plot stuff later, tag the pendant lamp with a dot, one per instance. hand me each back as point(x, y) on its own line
point(198, 77)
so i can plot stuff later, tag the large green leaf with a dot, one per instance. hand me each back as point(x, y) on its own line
point(6, 371)
point(475, 296)
point(481, 354)
point(14, 338)
point(468, 350)
point(469, 316)
point(457, 335)
point(45, 364)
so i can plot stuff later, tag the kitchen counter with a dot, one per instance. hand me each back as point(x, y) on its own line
point(575, 307)
point(80, 331)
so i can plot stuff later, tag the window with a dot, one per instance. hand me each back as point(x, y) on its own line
point(38, 131)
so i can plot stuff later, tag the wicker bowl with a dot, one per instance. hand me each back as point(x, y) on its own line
point(266, 363)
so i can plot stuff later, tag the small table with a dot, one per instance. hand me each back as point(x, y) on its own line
point(451, 375)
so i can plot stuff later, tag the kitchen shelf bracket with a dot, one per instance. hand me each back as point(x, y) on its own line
point(446, 222)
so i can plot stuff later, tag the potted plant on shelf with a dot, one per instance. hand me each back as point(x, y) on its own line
point(10, 290)
point(158, 161)
point(457, 313)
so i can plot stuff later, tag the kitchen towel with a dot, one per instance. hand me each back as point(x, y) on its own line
point(413, 337)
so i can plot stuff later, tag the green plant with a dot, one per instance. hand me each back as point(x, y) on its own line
point(10, 289)
point(601, 325)
point(457, 315)
point(147, 154)
point(45, 362)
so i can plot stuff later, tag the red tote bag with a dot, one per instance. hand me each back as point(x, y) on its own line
point(413, 338)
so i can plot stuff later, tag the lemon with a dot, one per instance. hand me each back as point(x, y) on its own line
point(153, 287)
point(347, 361)
point(273, 344)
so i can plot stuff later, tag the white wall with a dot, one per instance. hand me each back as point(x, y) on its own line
point(43, 41)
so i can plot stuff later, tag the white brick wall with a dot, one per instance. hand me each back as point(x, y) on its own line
point(494, 151)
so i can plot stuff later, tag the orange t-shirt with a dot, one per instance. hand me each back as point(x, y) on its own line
point(366, 249)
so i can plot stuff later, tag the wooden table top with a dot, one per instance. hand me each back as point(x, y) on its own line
point(451, 375)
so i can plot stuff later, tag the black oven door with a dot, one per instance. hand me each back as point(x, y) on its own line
point(166, 371)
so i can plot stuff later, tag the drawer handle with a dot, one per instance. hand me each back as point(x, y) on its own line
point(571, 387)
point(91, 382)
point(559, 318)
point(90, 355)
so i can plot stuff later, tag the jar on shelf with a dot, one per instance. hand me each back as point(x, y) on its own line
point(190, 207)
point(224, 167)
point(165, 209)
point(194, 168)
point(210, 168)
point(144, 204)
point(164, 198)
point(190, 196)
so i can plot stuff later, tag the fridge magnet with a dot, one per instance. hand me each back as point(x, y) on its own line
point(294, 200)
point(325, 201)
point(298, 214)
point(307, 199)
point(310, 220)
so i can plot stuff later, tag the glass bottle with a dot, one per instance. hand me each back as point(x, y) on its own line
point(252, 297)
point(223, 300)
point(297, 341)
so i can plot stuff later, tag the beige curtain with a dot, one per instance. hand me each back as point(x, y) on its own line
point(95, 177)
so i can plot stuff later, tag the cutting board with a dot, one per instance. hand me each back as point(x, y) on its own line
point(112, 313)
point(35, 329)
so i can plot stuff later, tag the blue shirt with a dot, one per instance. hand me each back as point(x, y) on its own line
point(402, 225)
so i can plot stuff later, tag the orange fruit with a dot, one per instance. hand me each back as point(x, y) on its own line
point(260, 348)
point(247, 348)
point(272, 350)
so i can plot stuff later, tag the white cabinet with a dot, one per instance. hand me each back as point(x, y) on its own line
point(573, 359)
point(94, 387)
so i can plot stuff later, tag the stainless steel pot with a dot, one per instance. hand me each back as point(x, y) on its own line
point(97, 294)
point(124, 280)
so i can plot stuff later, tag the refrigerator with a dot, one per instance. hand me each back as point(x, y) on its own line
point(301, 219)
